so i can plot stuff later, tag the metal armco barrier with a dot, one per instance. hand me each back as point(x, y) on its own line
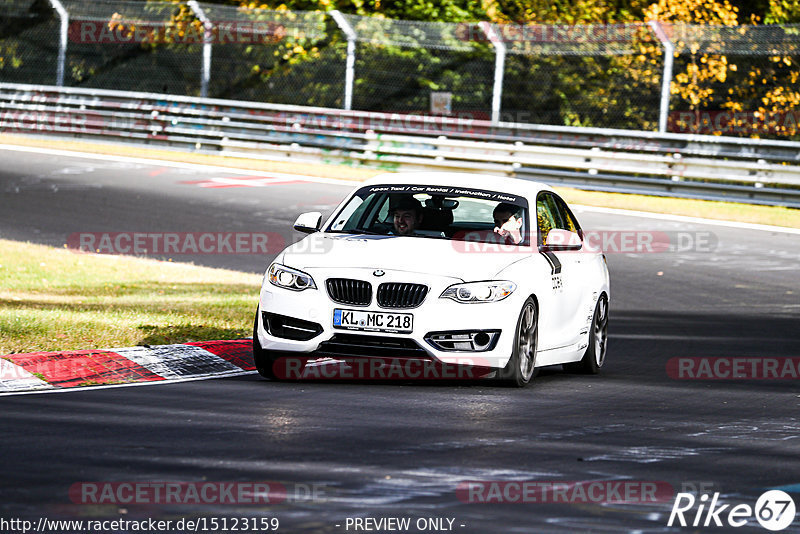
point(696, 166)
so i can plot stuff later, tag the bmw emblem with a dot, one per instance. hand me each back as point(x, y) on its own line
point(378, 273)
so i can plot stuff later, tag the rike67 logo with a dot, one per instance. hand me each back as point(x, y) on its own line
point(774, 511)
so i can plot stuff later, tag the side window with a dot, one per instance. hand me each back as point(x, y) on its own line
point(569, 221)
point(548, 216)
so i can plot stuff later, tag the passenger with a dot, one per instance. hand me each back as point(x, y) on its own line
point(508, 223)
point(407, 215)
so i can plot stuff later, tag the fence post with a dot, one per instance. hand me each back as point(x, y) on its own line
point(349, 73)
point(207, 38)
point(499, 67)
point(62, 43)
point(666, 79)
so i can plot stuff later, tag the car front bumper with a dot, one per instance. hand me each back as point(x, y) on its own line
point(308, 314)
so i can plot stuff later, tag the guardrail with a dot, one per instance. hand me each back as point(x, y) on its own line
point(696, 166)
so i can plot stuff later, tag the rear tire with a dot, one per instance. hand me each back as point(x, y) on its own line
point(264, 360)
point(595, 355)
point(521, 368)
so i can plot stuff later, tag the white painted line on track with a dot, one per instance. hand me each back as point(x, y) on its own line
point(352, 183)
point(132, 384)
point(686, 218)
point(178, 164)
point(126, 366)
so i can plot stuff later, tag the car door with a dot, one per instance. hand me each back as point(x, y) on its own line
point(567, 269)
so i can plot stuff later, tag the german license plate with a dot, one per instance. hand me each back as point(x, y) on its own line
point(373, 321)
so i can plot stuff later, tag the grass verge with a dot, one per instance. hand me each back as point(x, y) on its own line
point(55, 299)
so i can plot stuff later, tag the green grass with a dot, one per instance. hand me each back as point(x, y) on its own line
point(55, 299)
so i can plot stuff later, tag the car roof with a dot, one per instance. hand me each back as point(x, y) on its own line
point(525, 188)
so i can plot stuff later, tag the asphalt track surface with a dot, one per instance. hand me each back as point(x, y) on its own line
point(378, 450)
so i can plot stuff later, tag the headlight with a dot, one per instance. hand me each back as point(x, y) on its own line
point(288, 278)
point(490, 291)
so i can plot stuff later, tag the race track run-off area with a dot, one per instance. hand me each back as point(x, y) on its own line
point(607, 453)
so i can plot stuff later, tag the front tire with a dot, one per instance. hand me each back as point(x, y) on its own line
point(595, 355)
point(521, 368)
point(263, 359)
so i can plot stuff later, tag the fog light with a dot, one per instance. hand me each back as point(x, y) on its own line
point(464, 340)
point(481, 340)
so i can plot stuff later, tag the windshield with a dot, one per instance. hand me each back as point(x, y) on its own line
point(435, 212)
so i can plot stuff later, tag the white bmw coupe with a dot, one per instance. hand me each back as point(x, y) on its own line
point(448, 268)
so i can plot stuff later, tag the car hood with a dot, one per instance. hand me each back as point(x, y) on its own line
point(442, 257)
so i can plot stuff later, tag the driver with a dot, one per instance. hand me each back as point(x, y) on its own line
point(508, 223)
point(407, 215)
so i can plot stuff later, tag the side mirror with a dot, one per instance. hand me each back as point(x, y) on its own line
point(558, 239)
point(308, 223)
